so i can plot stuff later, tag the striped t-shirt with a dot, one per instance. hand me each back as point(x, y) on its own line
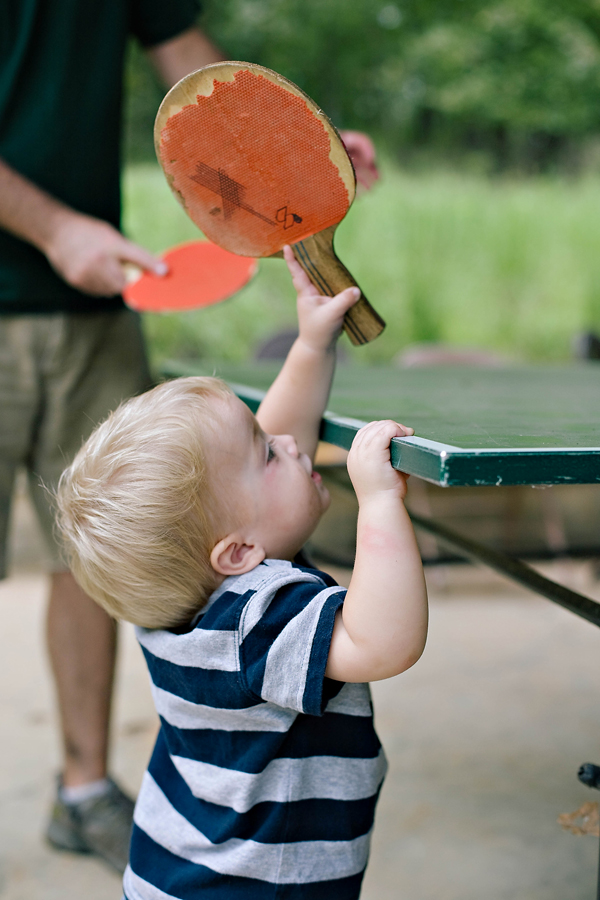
point(265, 774)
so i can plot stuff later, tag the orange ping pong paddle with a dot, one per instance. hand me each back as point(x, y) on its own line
point(257, 165)
point(200, 274)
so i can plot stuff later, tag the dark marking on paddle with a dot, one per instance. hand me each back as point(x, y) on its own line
point(230, 191)
point(287, 218)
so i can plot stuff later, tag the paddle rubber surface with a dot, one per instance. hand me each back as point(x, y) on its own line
point(200, 274)
point(251, 165)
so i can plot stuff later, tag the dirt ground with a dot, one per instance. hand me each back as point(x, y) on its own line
point(484, 738)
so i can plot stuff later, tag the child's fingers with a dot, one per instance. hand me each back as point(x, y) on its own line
point(384, 429)
point(376, 437)
point(300, 279)
point(342, 302)
point(339, 304)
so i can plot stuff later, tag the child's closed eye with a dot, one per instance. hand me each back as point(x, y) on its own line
point(271, 454)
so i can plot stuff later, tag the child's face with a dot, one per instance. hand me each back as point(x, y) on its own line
point(269, 486)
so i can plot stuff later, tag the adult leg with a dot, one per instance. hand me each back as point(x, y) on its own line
point(88, 365)
point(82, 642)
point(91, 364)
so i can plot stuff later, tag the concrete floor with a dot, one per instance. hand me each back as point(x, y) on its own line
point(484, 738)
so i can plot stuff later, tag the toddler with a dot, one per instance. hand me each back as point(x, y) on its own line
point(183, 513)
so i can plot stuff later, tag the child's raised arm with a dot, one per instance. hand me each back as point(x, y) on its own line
point(297, 398)
point(382, 626)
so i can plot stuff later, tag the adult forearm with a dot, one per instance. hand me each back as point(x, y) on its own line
point(296, 400)
point(26, 210)
point(183, 54)
point(86, 252)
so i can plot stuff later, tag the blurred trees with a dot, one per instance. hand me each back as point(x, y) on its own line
point(516, 79)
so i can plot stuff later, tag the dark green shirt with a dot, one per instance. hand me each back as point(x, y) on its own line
point(61, 72)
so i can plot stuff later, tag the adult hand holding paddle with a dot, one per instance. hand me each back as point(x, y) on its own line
point(257, 165)
point(85, 251)
point(199, 274)
point(90, 255)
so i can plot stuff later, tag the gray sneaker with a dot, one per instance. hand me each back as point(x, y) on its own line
point(101, 825)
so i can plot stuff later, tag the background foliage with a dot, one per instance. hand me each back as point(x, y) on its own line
point(507, 264)
point(498, 248)
point(516, 79)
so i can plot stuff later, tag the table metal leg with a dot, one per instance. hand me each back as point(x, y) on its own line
point(590, 774)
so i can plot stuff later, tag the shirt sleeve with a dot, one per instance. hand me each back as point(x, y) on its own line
point(155, 21)
point(285, 643)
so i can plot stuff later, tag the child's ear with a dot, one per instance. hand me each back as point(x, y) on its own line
point(233, 556)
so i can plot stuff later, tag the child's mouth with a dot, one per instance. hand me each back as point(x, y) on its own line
point(316, 477)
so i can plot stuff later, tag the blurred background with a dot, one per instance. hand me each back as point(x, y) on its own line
point(482, 231)
point(483, 228)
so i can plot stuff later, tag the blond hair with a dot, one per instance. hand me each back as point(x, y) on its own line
point(136, 510)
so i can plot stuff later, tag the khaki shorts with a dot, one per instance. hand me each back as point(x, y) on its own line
point(59, 376)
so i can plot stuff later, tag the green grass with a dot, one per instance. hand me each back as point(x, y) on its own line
point(511, 265)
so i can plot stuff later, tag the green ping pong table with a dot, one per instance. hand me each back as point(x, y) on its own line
point(473, 426)
point(537, 425)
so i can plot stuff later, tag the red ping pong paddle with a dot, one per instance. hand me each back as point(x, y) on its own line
point(200, 274)
point(257, 165)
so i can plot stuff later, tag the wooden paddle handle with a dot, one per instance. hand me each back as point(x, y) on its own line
point(317, 257)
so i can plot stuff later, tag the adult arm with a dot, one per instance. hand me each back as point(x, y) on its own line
point(86, 252)
point(183, 54)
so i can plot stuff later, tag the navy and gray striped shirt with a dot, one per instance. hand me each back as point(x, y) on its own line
point(265, 774)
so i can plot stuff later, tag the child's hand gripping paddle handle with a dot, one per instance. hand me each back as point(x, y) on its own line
point(317, 257)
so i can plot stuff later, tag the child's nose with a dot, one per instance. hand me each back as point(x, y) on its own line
point(290, 445)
